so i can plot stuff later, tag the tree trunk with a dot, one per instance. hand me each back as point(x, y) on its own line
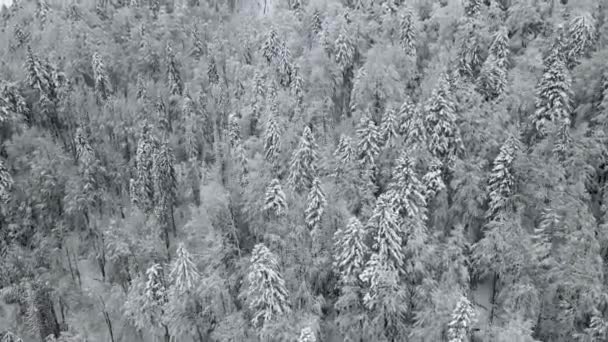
point(494, 281)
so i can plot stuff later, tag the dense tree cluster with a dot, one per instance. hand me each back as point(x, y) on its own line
point(303, 170)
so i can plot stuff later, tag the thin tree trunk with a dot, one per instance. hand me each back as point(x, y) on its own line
point(494, 281)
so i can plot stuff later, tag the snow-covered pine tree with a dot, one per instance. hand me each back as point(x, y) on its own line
point(443, 134)
point(387, 234)
point(350, 250)
point(407, 192)
point(272, 136)
point(144, 159)
point(184, 274)
point(469, 55)
point(433, 180)
point(407, 30)
point(581, 37)
point(176, 86)
point(102, 83)
point(274, 199)
point(368, 146)
point(271, 47)
point(316, 24)
point(297, 85)
point(6, 183)
point(307, 335)
point(316, 205)
point(411, 125)
point(36, 73)
point(267, 295)
point(303, 164)
point(345, 50)
point(165, 189)
point(493, 76)
point(155, 294)
point(388, 128)
point(345, 152)
point(553, 98)
point(234, 130)
point(501, 180)
point(462, 318)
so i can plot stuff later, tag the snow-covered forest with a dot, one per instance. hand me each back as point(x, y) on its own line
point(304, 170)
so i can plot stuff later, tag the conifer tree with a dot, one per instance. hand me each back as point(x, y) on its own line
point(470, 54)
point(411, 125)
point(388, 128)
point(155, 294)
point(102, 83)
point(407, 192)
point(271, 47)
point(433, 180)
point(388, 236)
point(267, 295)
point(272, 138)
point(165, 189)
point(144, 181)
point(345, 50)
point(444, 136)
point(407, 30)
point(493, 76)
point(176, 86)
point(501, 181)
point(6, 183)
point(183, 271)
point(553, 103)
point(316, 205)
point(350, 250)
point(87, 164)
point(344, 153)
point(307, 335)
point(303, 164)
point(36, 73)
point(234, 130)
point(212, 73)
point(315, 22)
point(274, 199)
point(368, 146)
point(462, 318)
point(10, 337)
point(582, 36)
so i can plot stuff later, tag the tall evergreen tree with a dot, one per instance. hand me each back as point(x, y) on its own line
point(459, 327)
point(345, 50)
point(433, 180)
point(388, 128)
point(582, 36)
point(493, 76)
point(388, 236)
point(316, 205)
point(368, 146)
point(165, 189)
point(272, 46)
point(274, 200)
point(350, 250)
point(407, 192)
point(444, 138)
point(272, 138)
point(267, 295)
point(176, 86)
point(144, 159)
point(303, 164)
point(344, 153)
point(102, 83)
point(407, 30)
point(6, 183)
point(553, 101)
point(184, 274)
point(501, 181)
